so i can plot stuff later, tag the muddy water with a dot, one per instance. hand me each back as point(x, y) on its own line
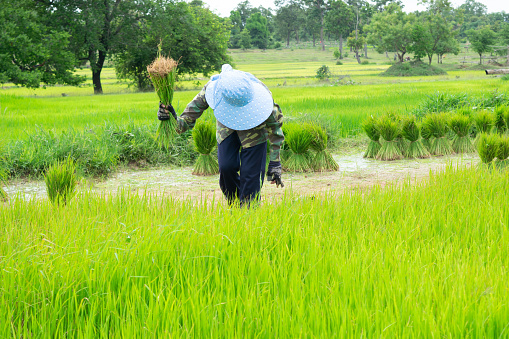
point(354, 171)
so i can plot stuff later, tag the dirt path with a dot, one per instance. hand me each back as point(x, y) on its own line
point(354, 171)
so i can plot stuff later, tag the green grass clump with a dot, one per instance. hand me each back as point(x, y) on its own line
point(411, 132)
point(412, 68)
point(369, 127)
point(204, 138)
point(298, 139)
point(460, 124)
point(436, 124)
point(499, 122)
point(389, 130)
point(322, 160)
point(61, 180)
point(487, 147)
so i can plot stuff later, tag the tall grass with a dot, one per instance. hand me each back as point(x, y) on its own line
point(371, 263)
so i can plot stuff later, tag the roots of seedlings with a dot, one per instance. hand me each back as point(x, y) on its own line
point(297, 162)
point(323, 161)
point(373, 149)
point(416, 150)
point(462, 144)
point(441, 146)
point(206, 164)
point(402, 144)
point(389, 151)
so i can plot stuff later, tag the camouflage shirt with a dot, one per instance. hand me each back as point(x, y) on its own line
point(270, 129)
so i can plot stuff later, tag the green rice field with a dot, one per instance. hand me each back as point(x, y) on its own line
point(411, 258)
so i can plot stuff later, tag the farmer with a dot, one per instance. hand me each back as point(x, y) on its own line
point(246, 117)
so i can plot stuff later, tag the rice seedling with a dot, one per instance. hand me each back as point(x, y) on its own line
point(298, 139)
point(499, 122)
point(426, 136)
point(163, 73)
point(389, 131)
point(204, 138)
point(503, 151)
point(61, 180)
point(3, 180)
point(322, 160)
point(369, 127)
point(506, 117)
point(484, 122)
point(436, 124)
point(460, 124)
point(411, 132)
point(487, 147)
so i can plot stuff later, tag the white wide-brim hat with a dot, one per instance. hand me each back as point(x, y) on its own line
point(239, 100)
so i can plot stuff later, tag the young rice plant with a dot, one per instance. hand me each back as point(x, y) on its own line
point(61, 180)
point(369, 127)
point(298, 139)
point(436, 124)
point(322, 160)
point(411, 132)
point(460, 124)
point(204, 138)
point(389, 130)
point(487, 147)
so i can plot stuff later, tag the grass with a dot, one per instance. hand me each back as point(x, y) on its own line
point(374, 263)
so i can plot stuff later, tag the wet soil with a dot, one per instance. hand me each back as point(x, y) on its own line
point(354, 172)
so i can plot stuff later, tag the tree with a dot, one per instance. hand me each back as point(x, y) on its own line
point(31, 52)
point(321, 7)
point(257, 26)
point(338, 21)
point(504, 38)
point(287, 20)
point(312, 23)
point(482, 40)
point(97, 27)
point(245, 39)
point(236, 28)
point(197, 38)
point(432, 29)
point(391, 30)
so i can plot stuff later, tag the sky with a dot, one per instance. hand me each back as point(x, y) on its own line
point(223, 7)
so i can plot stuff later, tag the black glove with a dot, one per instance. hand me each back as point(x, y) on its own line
point(164, 112)
point(274, 173)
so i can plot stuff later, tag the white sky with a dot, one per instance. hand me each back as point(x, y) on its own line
point(223, 7)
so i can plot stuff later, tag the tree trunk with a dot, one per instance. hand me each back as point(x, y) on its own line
point(96, 73)
point(430, 57)
point(288, 39)
point(297, 36)
point(314, 40)
point(386, 54)
point(366, 51)
point(341, 46)
point(321, 29)
point(508, 56)
point(480, 59)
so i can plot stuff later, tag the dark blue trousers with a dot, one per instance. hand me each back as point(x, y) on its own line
point(241, 170)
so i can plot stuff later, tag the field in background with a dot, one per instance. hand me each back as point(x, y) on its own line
point(353, 92)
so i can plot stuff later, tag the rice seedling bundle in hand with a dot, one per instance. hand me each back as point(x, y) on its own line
point(484, 122)
point(204, 138)
point(460, 124)
point(61, 180)
point(487, 147)
point(499, 122)
point(389, 131)
point(411, 132)
point(298, 139)
point(369, 127)
point(322, 160)
point(163, 73)
point(436, 124)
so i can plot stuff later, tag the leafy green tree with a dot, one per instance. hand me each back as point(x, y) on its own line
point(287, 20)
point(504, 38)
point(321, 7)
point(312, 23)
point(31, 52)
point(356, 42)
point(245, 39)
point(391, 30)
point(257, 26)
point(193, 35)
point(339, 21)
point(236, 28)
point(449, 46)
point(482, 40)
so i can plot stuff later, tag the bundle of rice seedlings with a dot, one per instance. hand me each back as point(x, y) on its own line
point(298, 139)
point(369, 126)
point(322, 160)
point(412, 133)
point(204, 138)
point(503, 151)
point(163, 73)
point(389, 130)
point(436, 124)
point(499, 122)
point(427, 136)
point(460, 124)
point(60, 179)
point(487, 147)
point(484, 122)
point(506, 117)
